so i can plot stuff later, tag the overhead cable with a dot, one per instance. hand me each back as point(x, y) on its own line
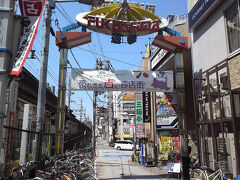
point(111, 58)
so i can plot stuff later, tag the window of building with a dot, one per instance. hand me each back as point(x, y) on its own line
point(236, 98)
point(233, 27)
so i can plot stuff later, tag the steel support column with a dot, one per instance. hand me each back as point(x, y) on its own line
point(60, 125)
point(183, 134)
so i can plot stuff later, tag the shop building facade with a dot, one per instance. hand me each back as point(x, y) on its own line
point(166, 103)
point(126, 114)
point(214, 26)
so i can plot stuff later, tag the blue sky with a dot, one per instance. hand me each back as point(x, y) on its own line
point(86, 55)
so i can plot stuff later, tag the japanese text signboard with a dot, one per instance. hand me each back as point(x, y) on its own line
point(146, 107)
point(110, 19)
point(32, 9)
point(121, 80)
point(139, 131)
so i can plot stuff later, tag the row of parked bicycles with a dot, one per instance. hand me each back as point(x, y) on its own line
point(205, 173)
point(72, 165)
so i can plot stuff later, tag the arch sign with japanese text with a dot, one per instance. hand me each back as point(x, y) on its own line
point(122, 20)
point(121, 80)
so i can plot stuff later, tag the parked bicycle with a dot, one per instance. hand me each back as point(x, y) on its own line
point(72, 165)
point(205, 173)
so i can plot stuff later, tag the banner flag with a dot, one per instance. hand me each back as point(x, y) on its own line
point(121, 80)
point(32, 9)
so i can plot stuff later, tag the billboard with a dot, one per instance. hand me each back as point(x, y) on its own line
point(121, 80)
point(166, 115)
point(128, 95)
point(32, 10)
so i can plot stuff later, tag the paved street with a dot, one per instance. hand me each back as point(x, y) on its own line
point(117, 164)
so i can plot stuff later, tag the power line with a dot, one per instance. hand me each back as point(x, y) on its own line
point(64, 14)
point(74, 58)
point(69, 19)
point(36, 72)
point(100, 44)
point(49, 66)
point(85, 91)
point(111, 58)
point(50, 74)
point(125, 52)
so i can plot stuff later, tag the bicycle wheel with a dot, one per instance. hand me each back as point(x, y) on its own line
point(197, 174)
point(89, 177)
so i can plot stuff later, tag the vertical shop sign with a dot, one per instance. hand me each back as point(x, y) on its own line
point(131, 131)
point(11, 120)
point(27, 119)
point(32, 10)
point(175, 139)
point(166, 146)
point(150, 152)
point(146, 107)
point(139, 115)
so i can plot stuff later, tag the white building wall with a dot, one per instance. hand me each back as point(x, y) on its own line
point(191, 3)
point(209, 42)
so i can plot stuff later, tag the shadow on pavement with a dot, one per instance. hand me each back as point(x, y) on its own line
point(114, 164)
point(139, 177)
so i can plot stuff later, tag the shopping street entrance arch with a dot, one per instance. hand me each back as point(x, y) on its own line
point(121, 20)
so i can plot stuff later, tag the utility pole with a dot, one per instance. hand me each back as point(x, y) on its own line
point(183, 134)
point(95, 93)
point(94, 120)
point(43, 75)
point(6, 34)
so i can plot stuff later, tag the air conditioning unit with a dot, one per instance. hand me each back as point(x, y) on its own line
point(224, 81)
point(213, 85)
point(204, 88)
point(216, 109)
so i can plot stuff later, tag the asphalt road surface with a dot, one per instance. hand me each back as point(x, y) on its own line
point(117, 164)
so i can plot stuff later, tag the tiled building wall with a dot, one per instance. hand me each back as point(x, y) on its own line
point(234, 70)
